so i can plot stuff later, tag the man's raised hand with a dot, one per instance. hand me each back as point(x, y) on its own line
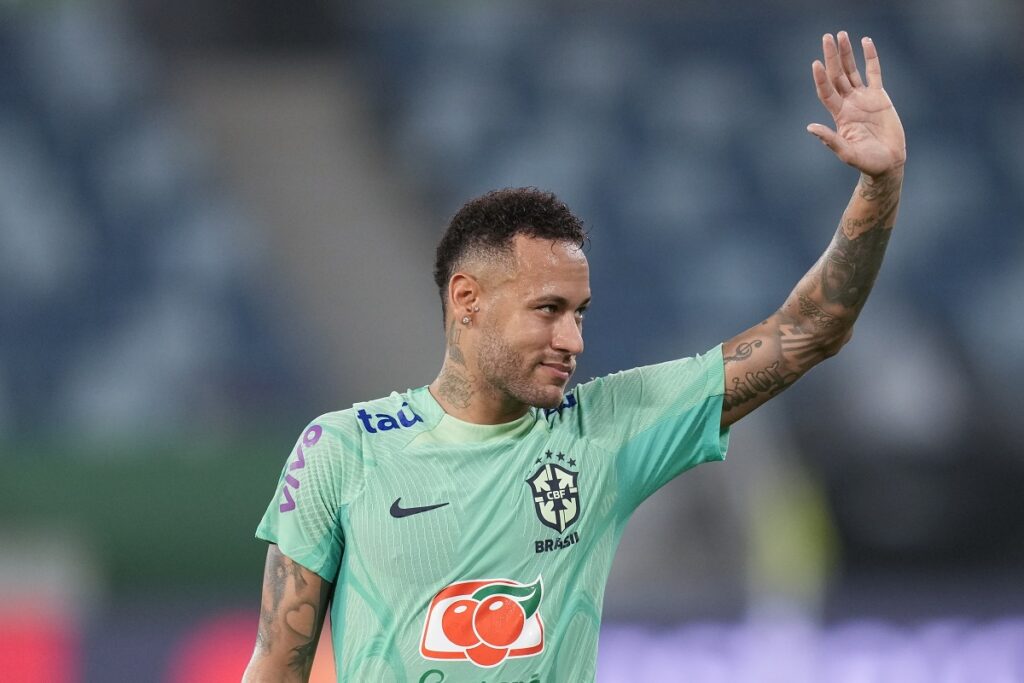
point(868, 134)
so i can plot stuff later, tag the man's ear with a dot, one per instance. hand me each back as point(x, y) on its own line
point(463, 294)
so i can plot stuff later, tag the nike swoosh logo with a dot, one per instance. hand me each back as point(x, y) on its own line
point(399, 511)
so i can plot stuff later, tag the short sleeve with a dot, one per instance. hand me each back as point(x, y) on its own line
point(304, 518)
point(658, 420)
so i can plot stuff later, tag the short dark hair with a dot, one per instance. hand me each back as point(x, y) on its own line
point(491, 221)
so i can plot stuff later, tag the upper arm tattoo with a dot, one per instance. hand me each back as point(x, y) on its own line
point(743, 351)
point(764, 365)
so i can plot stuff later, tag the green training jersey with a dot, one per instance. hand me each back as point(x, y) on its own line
point(465, 552)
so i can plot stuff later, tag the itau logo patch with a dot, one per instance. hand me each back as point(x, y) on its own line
point(484, 622)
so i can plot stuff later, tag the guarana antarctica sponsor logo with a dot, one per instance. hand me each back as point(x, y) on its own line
point(484, 621)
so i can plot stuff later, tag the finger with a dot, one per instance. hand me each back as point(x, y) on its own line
point(848, 60)
point(832, 65)
point(872, 67)
point(830, 139)
point(832, 100)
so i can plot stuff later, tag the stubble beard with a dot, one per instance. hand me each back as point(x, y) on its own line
point(505, 371)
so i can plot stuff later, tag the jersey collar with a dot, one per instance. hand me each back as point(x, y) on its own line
point(448, 429)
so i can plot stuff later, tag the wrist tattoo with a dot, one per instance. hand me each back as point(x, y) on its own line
point(880, 189)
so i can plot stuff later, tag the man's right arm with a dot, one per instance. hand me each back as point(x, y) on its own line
point(294, 604)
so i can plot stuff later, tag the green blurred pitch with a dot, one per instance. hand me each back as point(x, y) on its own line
point(159, 519)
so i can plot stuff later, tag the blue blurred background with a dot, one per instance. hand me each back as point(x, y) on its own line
point(217, 221)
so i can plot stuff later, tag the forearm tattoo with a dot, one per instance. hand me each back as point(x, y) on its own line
point(852, 264)
point(817, 318)
point(813, 312)
point(293, 618)
point(305, 620)
point(855, 255)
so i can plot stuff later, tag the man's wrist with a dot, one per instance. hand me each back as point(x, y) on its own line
point(884, 186)
point(888, 177)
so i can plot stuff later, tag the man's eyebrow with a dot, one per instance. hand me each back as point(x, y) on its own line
point(559, 301)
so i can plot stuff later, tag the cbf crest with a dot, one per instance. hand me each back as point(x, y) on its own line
point(556, 495)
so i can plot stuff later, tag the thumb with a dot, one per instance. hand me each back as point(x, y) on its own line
point(829, 138)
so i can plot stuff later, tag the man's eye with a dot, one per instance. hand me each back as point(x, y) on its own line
point(547, 308)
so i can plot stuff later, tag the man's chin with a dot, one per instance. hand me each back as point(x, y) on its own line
point(543, 394)
point(550, 398)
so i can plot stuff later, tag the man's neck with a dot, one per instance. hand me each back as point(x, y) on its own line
point(463, 395)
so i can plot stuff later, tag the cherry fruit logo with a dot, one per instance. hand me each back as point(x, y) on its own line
point(484, 622)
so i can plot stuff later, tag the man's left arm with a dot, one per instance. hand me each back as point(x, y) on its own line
point(817, 318)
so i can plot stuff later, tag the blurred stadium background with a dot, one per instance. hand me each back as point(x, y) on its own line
point(217, 221)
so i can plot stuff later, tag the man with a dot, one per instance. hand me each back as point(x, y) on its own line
point(466, 529)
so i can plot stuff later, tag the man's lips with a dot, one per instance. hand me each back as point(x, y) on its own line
point(560, 370)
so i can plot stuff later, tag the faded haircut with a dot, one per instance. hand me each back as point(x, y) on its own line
point(489, 223)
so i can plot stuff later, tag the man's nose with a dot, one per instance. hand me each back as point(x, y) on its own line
point(568, 335)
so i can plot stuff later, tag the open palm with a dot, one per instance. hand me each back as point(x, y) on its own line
point(868, 134)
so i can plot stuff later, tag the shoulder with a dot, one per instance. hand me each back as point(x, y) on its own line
point(395, 420)
point(344, 437)
point(337, 428)
point(635, 383)
point(337, 450)
point(397, 411)
point(623, 402)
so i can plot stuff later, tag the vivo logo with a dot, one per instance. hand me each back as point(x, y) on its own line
point(291, 481)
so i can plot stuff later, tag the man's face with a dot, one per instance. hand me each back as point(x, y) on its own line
point(531, 322)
